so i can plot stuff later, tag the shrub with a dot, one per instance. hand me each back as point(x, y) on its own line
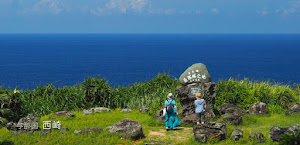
point(290, 139)
point(246, 92)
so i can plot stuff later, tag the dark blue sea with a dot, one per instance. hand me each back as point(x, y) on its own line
point(28, 60)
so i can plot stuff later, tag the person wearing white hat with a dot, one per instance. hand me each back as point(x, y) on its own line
point(170, 112)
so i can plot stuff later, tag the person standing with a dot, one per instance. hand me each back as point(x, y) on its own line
point(170, 111)
point(200, 106)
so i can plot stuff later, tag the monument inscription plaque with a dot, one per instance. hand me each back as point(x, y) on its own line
point(195, 89)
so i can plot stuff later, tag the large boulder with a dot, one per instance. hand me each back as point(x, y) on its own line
point(230, 108)
point(187, 101)
point(232, 113)
point(233, 119)
point(237, 134)
point(257, 137)
point(213, 129)
point(64, 113)
point(294, 110)
point(197, 73)
point(276, 131)
point(259, 108)
point(95, 110)
point(127, 128)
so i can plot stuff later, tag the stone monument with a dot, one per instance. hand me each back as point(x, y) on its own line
point(196, 79)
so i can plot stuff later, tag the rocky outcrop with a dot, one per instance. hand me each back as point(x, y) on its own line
point(95, 110)
point(231, 113)
point(259, 108)
point(144, 109)
point(294, 110)
point(187, 102)
point(127, 128)
point(126, 110)
point(232, 109)
point(257, 137)
point(24, 125)
point(237, 134)
point(276, 131)
point(233, 119)
point(63, 113)
point(88, 130)
point(210, 130)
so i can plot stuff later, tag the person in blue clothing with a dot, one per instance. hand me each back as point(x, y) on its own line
point(171, 113)
point(200, 106)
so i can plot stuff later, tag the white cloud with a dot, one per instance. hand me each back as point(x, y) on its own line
point(47, 7)
point(215, 10)
point(121, 6)
point(292, 7)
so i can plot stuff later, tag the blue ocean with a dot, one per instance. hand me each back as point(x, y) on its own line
point(28, 60)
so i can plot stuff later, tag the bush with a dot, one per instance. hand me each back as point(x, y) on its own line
point(245, 92)
point(290, 139)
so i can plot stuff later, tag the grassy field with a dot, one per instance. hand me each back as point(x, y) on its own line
point(153, 131)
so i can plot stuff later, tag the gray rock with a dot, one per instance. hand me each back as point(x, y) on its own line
point(187, 103)
point(213, 129)
point(276, 131)
point(257, 137)
point(28, 123)
point(11, 126)
point(126, 110)
point(127, 128)
point(237, 134)
point(95, 110)
point(259, 108)
point(232, 119)
point(144, 109)
point(294, 110)
point(230, 108)
point(197, 73)
point(88, 130)
point(64, 113)
point(159, 116)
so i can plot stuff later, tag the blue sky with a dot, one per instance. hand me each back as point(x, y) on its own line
point(149, 16)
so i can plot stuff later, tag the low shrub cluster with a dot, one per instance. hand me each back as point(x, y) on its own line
point(245, 92)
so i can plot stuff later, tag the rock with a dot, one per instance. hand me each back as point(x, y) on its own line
point(46, 131)
point(159, 116)
point(276, 131)
point(197, 73)
point(88, 130)
point(28, 123)
point(144, 109)
point(257, 137)
point(230, 108)
point(294, 110)
point(64, 113)
point(259, 108)
point(11, 126)
point(127, 128)
point(232, 119)
point(237, 134)
point(126, 110)
point(213, 129)
point(95, 110)
point(187, 102)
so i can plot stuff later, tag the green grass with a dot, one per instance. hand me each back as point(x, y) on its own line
point(251, 123)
